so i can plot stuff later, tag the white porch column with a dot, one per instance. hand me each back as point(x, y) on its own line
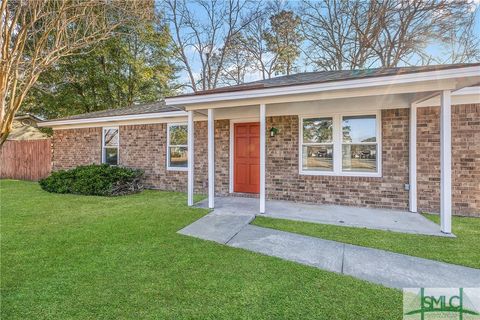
point(191, 160)
point(263, 129)
point(412, 170)
point(211, 159)
point(446, 162)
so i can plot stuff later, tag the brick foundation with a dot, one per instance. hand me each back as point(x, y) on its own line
point(144, 147)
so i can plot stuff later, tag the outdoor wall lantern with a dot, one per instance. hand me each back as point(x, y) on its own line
point(273, 131)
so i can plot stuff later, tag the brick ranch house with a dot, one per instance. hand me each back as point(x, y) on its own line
point(400, 138)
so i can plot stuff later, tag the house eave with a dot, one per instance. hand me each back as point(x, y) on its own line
point(132, 117)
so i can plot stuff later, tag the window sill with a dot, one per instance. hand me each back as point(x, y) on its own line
point(112, 165)
point(342, 174)
point(176, 169)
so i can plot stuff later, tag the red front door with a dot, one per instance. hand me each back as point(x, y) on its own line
point(247, 157)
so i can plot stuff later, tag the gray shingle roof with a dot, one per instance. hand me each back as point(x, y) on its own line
point(156, 107)
point(328, 76)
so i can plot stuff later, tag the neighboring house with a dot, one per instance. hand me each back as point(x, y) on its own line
point(25, 127)
point(335, 137)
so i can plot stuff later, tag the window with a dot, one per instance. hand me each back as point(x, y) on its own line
point(110, 141)
point(317, 147)
point(177, 158)
point(359, 145)
point(340, 145)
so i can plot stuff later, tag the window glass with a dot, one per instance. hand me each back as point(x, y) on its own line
point(318, 157)
point(359, 157)
point(358, 129)
point(111, 137)
point(111, 156)
point(177, 148)
point(359, 149)
point(178, 157)
point(110, 146)
point(178, 135)
point(317, 130)
point(317, 146)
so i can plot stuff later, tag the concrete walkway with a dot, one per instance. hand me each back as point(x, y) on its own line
point(378, 266)
point(380, 219)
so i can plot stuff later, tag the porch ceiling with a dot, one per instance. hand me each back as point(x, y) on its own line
point(329, 106)
point(342, 105)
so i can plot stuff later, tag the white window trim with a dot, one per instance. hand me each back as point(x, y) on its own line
point(169, 168)
point(337, 145)
point(103, 144)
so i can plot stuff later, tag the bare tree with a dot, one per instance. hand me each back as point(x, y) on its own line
point(202, 31)
point(409, 26)
point(284, 40)
point(327, 27)
point(462, 44)
point(37, 33)
point(238, 61)
point(350, 34)
point(264, 61)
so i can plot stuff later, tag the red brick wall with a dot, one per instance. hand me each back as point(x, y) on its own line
point(76, 147)
point(144, 146)
point(465, 159)
point(222, 157)
point(284, 181)
point(222, 143)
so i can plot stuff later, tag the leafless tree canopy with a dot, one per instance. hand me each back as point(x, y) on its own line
point(348, 34)
point(37, 33)
point(203, 32)
point(222, 42)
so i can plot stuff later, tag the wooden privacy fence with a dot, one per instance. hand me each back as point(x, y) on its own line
point(26, 159)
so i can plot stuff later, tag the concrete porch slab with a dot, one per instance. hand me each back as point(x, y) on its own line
point(380, 219)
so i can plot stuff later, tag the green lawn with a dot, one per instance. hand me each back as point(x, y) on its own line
point(78, 257)
point(462, 250)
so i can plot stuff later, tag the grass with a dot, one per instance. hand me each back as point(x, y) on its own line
point(462, 250)
point(83, 257)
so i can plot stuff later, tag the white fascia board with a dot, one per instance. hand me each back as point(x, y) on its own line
point(114, 118)
point(328, 86)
